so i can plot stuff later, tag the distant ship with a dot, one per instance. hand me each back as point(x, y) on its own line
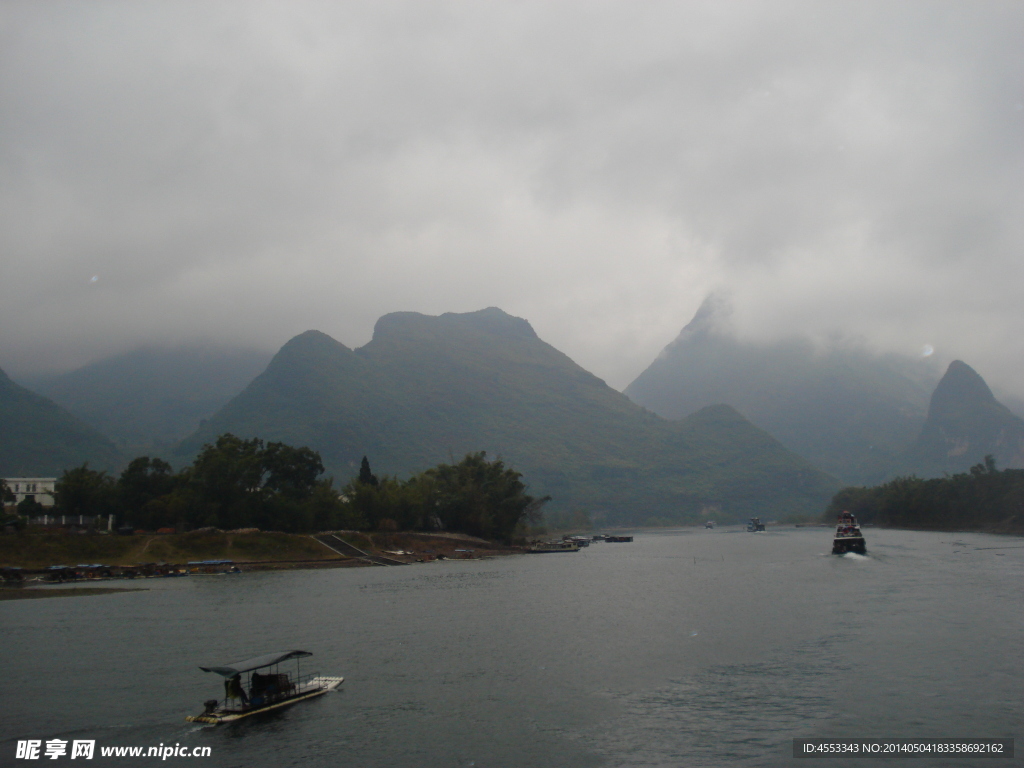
point(755, 525)
point(848, 537)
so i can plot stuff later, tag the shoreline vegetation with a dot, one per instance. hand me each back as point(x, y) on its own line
point(239, 484)
point(983, 500)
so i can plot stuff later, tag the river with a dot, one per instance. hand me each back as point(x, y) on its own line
point(688, 647)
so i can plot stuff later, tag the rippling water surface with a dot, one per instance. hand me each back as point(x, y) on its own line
point(684, 648)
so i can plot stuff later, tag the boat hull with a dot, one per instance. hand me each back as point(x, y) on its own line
point(853, 544)
point(319, 687)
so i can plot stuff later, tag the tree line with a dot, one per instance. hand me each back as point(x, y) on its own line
point(984, 498)
point(240, 483)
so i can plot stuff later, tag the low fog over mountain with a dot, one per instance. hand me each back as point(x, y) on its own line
point(151, 398)
point(847, 410)
point(240, 172)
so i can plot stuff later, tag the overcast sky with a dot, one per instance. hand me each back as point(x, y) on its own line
point(242, 172)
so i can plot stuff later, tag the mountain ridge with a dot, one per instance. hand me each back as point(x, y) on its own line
point(150, 398)
point(38, 438)
point(428, 389)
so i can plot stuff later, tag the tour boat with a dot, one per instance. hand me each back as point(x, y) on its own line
point(248, 691)
point(755, 525)
point(848, 537)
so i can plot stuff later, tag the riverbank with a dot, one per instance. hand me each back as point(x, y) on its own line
point(251, 550)
point(35, 593)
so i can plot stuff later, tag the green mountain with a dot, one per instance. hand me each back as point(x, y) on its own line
point(965, 423)
point(150, 399)
point(426, 390)
point(851, 412)
point(38, 438)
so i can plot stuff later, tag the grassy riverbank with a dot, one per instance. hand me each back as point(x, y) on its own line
point(38, 550)
point(277, 550)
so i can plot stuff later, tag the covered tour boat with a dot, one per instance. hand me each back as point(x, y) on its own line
point(848, 536)
point(258, 685)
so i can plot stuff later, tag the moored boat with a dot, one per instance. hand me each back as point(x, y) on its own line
point(248, 691)
point(553, 546)
point(212, 567)
point(848, 537)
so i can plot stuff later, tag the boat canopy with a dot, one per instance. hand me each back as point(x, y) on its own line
point(267, 660)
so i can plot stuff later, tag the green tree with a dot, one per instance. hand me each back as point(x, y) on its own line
point(144, 482)
point(239, 483)
point(291, 472)
point(223, 483)
point(366, 477)
point(30, 508)
point(6, 494)
point(84, 491)
point(480, 497)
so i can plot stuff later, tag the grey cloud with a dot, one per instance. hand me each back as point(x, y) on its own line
point(245, 171)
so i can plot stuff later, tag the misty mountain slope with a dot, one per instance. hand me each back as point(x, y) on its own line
point(38, 438)
point(965, 423)
point(848, 411)
point(426, 390)
point(153, 397)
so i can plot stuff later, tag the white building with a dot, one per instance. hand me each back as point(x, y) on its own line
point(37, 488)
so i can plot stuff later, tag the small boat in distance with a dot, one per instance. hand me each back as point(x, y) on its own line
point(248, 691)
point(755, 525)
point(618, 539)
point(553, 546)
point(709, 524)
point(212, 567)
point(848, 536)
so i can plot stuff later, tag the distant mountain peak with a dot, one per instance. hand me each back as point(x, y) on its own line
point(490, 320)
point(965, 423)
point(712, 318)
point(311, 340)
point(849, 410)
point(308, 348)
point(960, 387)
